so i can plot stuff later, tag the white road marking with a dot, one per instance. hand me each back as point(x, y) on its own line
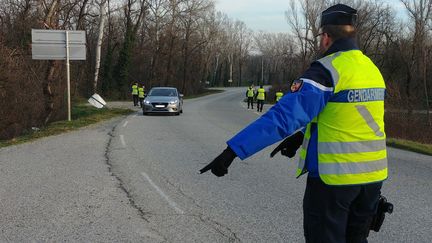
point(122, 140)
point(162, 194)
point(125, 123)
point(257, 113)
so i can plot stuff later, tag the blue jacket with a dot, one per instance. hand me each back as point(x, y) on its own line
point(294, 111)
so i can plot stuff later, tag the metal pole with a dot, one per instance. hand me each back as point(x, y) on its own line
point(68, 76)
point(262, 70)
point(231, 68)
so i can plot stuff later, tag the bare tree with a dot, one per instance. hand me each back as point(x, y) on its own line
point(102, 7)
point(304, 23)
point(420, 13)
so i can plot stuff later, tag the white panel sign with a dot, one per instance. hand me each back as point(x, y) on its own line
point(58, 36)
point(59, 45)
point(51, 44)
point(97, 101)
point(58, 52)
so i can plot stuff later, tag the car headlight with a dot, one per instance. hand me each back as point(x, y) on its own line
point(147, 102)
point(173, 102)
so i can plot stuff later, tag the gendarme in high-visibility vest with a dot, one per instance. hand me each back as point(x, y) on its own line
point(351, 146)
point(261, 94)
point(134, 89)
point(250, 92)
point(141, 92)
point(278, 95)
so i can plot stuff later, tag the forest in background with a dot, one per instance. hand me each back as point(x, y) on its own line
point(190, 45)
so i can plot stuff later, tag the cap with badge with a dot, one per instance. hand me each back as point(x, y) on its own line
point(339, 14)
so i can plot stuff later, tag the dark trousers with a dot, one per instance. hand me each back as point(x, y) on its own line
point(338, 214)
point(141, 100)
point(135, 99)
point(250, 101)
point(260, 105)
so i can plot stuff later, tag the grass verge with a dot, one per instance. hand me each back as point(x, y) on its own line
point(82, 115)
point(410, 146)
point(207, 92)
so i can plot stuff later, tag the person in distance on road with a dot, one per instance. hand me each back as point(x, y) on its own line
point(135, 93)
point(260, 96)
point(339, 103)
point(278, 95)
point(141, 95)
point(250, 93)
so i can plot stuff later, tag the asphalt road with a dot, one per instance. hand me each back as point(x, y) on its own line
point(135, 179)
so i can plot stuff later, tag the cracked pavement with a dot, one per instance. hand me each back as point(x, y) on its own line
point(134, 179)
point(60, 188)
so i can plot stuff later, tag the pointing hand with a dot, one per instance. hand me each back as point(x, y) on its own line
point(289, 146)
point(219, 166)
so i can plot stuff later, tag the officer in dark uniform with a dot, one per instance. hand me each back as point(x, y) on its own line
point(250, 93)
point(335, 112)
point(260, 97)
point(135, 94)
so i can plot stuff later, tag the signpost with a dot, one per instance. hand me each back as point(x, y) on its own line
point(59, 45)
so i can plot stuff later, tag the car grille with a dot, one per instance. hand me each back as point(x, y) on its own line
point(159, 105)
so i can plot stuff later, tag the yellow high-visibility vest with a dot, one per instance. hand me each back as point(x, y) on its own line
point(261, 94)
point(250, 92)
point(351, 142)
point(141, 92)
point(279, 95)
point(134, 89)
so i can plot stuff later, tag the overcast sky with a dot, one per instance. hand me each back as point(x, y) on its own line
point(267, 15)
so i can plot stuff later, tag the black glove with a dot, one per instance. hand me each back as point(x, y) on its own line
point(289, 146)
point(219, 166)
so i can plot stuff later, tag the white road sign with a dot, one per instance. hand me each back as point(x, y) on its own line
point(51, 44)
point(97, 101)
point(58, 52)
point(59, 45)
point(58, 36)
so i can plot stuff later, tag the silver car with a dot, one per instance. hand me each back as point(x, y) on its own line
point(163, 100)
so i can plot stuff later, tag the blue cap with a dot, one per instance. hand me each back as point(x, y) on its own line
point(339, 14)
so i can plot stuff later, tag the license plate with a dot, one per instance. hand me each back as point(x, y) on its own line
point(159, 106)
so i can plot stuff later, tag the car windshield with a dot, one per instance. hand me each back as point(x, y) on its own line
point(163, 92)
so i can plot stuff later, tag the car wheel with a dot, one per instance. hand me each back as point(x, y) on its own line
point(144, 113)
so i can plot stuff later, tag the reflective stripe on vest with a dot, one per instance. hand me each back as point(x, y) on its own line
point(141, 92)
point(351, 144)
point(353, 168)
point(250, 92)
point(351, 147)
point(261, 95)
point(278, 95)
point(302, 159)
point(134, 89)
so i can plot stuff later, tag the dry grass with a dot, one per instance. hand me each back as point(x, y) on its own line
point(410, 146)
point(82, 115)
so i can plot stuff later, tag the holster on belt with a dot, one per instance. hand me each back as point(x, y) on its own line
point(383, 208)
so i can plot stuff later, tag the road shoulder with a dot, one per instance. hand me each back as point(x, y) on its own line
point(60, 188)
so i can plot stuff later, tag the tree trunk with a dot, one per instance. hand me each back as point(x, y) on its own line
point(426, 87)
point(51, 22)
point(169, 62)
point(99, 44)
